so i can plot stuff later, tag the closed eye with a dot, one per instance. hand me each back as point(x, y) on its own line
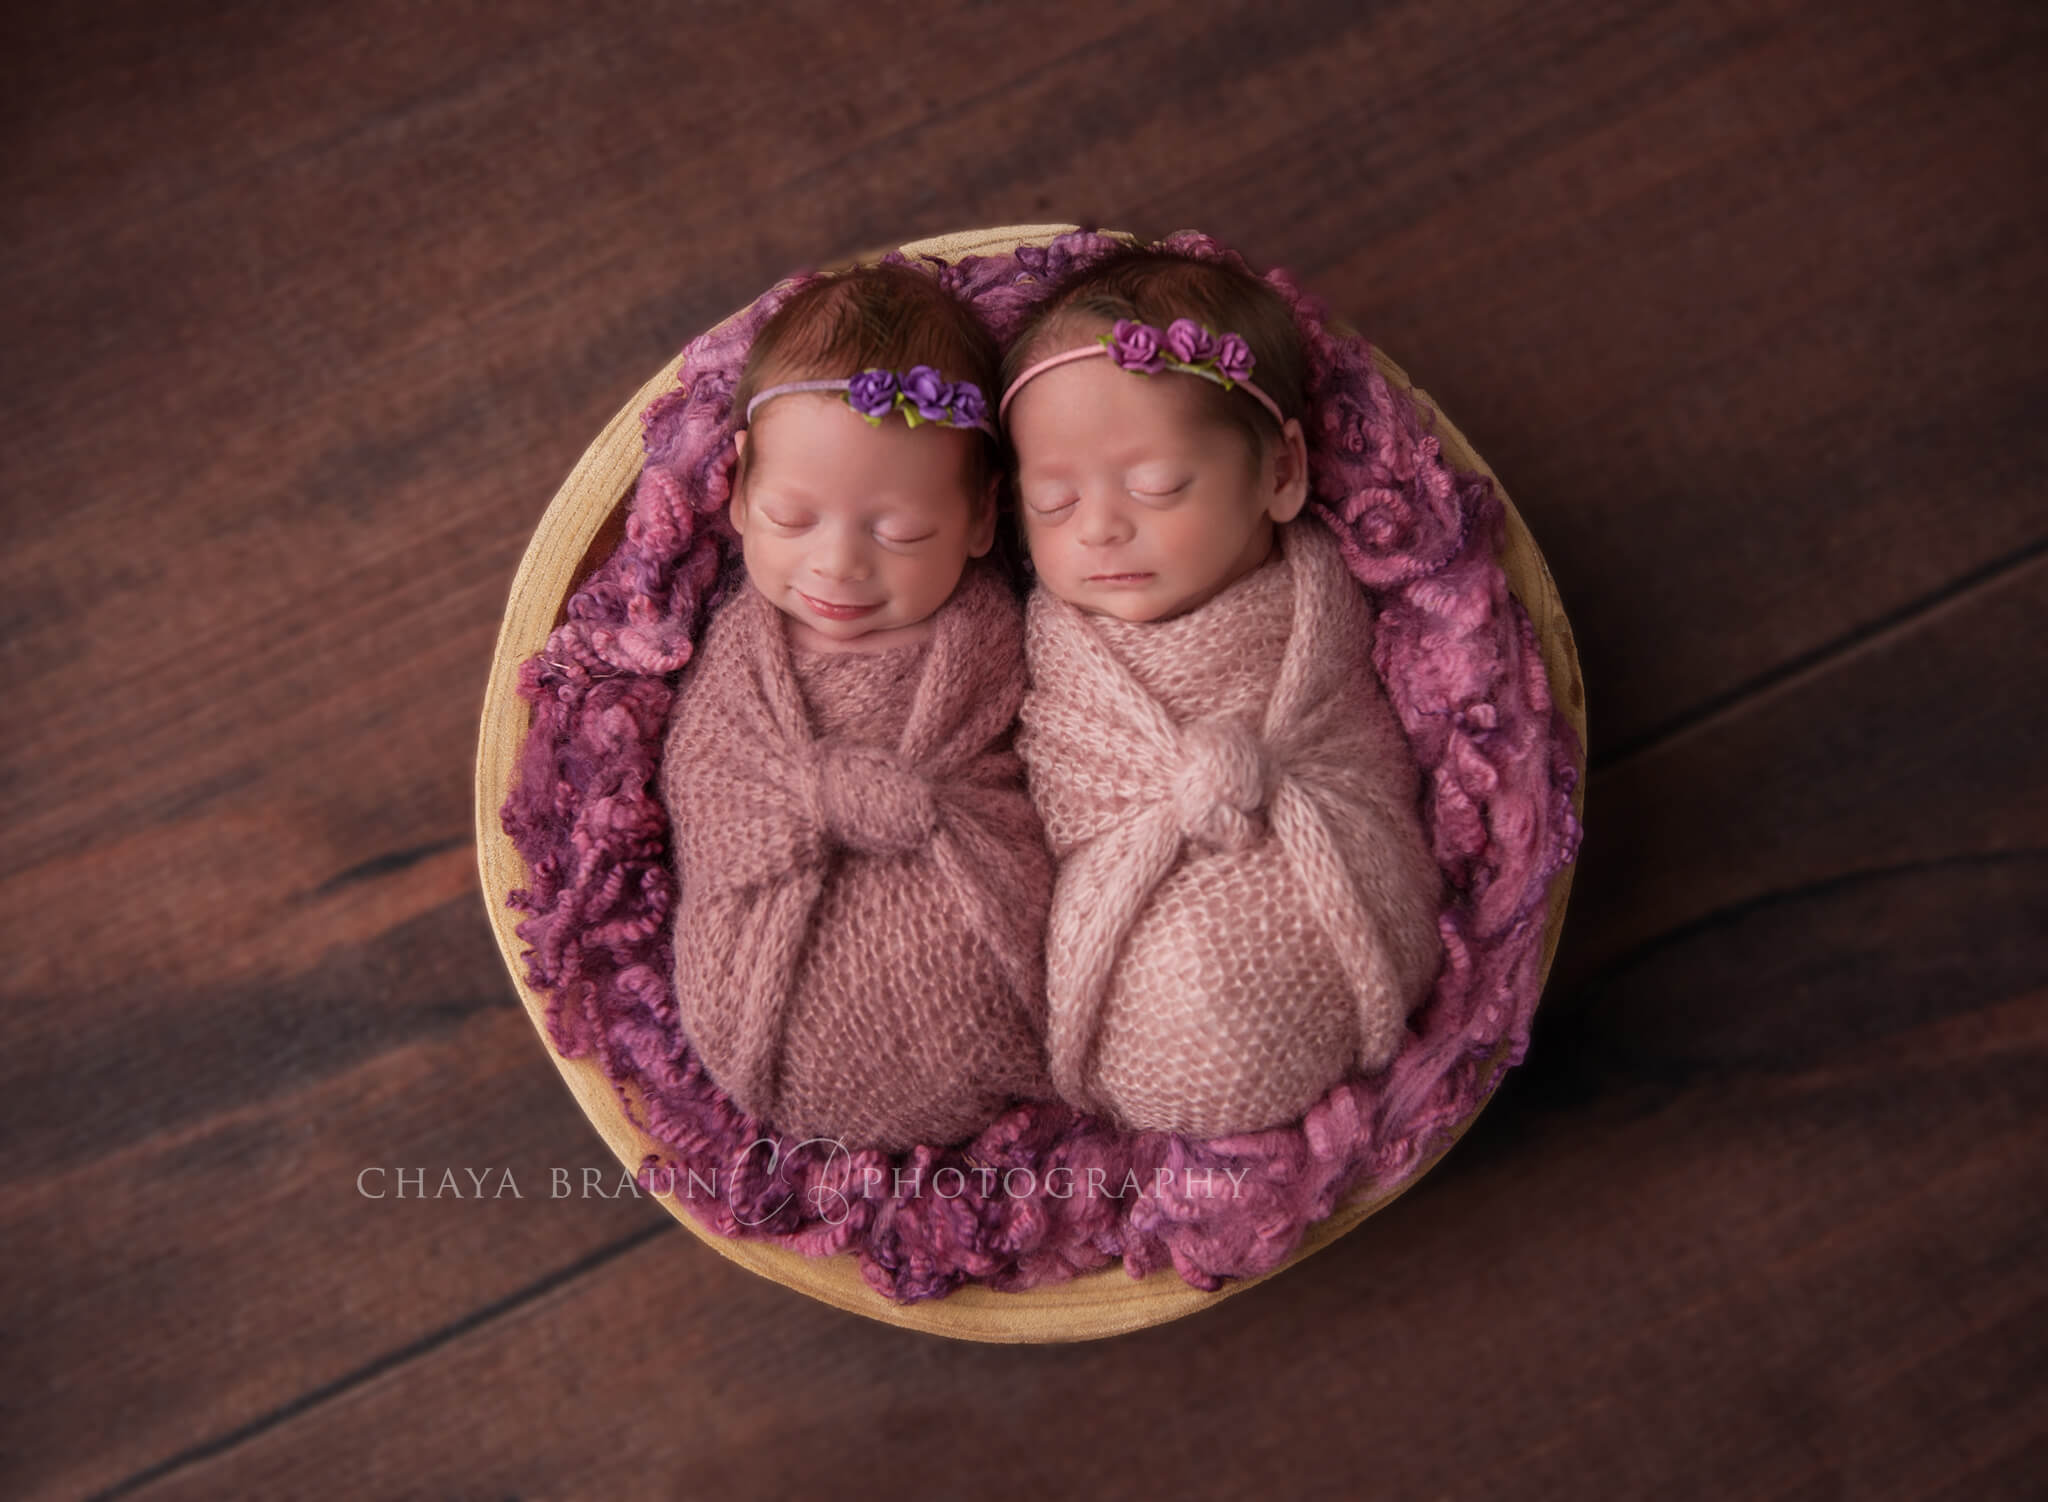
point(788, 523)
point(1151, 490)
point(904, 542)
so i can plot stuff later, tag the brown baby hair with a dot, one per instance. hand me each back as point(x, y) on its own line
point(888, 317)
point(1158, 286)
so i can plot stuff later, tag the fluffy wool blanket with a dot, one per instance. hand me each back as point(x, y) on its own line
point(1247, 905)
point(862, 881)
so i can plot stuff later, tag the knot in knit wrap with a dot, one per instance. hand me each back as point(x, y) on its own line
point(867, 799)
point(862, 881)
point(1221, 786)
point(1246, 903)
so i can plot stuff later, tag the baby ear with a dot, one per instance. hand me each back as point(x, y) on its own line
point(1290, 473)
point(736, 508)
point(982, 535)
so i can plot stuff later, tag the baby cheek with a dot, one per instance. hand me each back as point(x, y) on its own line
point(1040, 541)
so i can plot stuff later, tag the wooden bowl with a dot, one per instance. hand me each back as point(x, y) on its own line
point(579, 530)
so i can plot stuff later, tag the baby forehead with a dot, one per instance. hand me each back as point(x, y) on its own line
point(867, 477)
point(1096, 404)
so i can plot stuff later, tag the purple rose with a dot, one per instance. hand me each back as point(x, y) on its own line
point(1189, 342)
point(1135, 346)
point(928, 391)
point(970, 407)
point(872, 393)
point(1234, 358)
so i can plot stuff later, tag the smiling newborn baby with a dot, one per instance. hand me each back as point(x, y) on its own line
point(862, 880)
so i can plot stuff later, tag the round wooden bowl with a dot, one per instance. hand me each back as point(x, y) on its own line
point(579, 530)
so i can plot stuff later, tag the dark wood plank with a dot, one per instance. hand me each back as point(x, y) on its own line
point(1746, 314)
point(206, 1249)
point(1919, 747)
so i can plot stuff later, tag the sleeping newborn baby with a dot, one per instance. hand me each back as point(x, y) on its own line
point(862, 881)
point(1246, 903)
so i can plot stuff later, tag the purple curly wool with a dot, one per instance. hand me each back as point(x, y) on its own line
point(1461, 666)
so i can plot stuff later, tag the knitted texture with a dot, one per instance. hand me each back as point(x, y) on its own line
point(1461, 668)
point(1247, 904)
point(863, 883)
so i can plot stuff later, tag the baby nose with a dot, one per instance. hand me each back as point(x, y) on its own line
point(1103, 523)
point(840, 557)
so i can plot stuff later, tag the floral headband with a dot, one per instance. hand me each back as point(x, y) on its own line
point(920, 393)
point(1184, 345)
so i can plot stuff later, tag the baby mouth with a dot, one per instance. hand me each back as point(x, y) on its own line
point(1130, 578)
point(832, 610)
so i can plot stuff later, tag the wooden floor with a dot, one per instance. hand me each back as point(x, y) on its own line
point(306, 309)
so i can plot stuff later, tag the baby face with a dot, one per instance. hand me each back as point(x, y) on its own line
point(856, 533)
point(1138, 501)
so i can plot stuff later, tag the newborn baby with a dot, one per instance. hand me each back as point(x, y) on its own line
point(1246, 903)
point(862, 881)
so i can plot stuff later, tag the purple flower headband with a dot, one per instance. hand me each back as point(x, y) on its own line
point(1184, 345)
point(920, 393)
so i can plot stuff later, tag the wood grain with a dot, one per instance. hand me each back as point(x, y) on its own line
point(1917, 747)
point(305, 312)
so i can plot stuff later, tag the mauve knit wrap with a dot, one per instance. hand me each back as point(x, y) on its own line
point(862, 883)
point(1246, 905)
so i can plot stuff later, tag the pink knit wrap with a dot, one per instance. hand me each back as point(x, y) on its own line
point(1246, 907)
point(862, 881)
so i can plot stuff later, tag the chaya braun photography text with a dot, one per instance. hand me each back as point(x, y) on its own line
point(828, 1175)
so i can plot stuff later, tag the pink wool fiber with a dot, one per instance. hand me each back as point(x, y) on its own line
point(1043, 1193)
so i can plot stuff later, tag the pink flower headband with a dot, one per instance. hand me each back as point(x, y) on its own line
point(921, 394)
point(1184, 346)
